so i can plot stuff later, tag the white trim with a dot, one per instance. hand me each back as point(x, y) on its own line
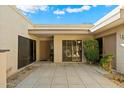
point(109, 18)
point(64, 28)
point(109, 15)
point(57, 32)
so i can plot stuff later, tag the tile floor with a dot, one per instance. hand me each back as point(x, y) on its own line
point(66, 75)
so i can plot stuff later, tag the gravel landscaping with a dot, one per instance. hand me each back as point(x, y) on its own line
point(15, 79)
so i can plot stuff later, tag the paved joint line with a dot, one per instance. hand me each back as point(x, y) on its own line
point(36, 82)
point(66, 76)
point(92, 76)
point(79, 76)
point(53, 76)
point(38, 79)
point(102, 75)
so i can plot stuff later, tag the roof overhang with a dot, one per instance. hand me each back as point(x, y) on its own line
point(112, 19)
point(60, 29)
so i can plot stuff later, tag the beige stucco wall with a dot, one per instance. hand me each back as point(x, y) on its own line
point(58, 44)
point(120, 50)
point(3, 61)
point(109, 47)
point(119, 30)
point(11, 25)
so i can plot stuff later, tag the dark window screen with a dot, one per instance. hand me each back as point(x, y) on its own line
point(26, 51)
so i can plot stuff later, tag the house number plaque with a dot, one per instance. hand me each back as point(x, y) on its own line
point(122, 36)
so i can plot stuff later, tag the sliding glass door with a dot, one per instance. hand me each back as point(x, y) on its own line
point(26, 51)
point(72, 50)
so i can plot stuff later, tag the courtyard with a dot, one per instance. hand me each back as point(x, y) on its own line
point(66, 75)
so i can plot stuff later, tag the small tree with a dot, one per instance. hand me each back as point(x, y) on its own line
point(91, 50)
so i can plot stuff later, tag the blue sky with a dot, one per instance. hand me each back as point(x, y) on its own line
point(66, 14)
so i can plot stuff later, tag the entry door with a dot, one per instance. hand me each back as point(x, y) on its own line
point(72, 50)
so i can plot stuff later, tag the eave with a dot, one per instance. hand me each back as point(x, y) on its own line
point(58, 31)
point(112, 19)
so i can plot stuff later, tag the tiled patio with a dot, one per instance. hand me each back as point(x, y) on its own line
point(51, 75)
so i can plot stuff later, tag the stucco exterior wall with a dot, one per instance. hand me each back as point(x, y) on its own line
point(58, 44)
point(109, 47)
point(119, 30)
point(120, 50)
point(11, 25)
point(3, 61)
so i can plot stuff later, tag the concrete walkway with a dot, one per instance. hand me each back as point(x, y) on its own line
point(51, 75)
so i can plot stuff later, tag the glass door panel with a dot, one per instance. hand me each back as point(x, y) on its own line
point(72, 50)
point(67, 53)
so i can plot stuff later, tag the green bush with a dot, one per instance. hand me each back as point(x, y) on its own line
point(91, 50)
point(106, 61)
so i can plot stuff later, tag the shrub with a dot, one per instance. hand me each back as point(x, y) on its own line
point(91, 50)
point(106, 61)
